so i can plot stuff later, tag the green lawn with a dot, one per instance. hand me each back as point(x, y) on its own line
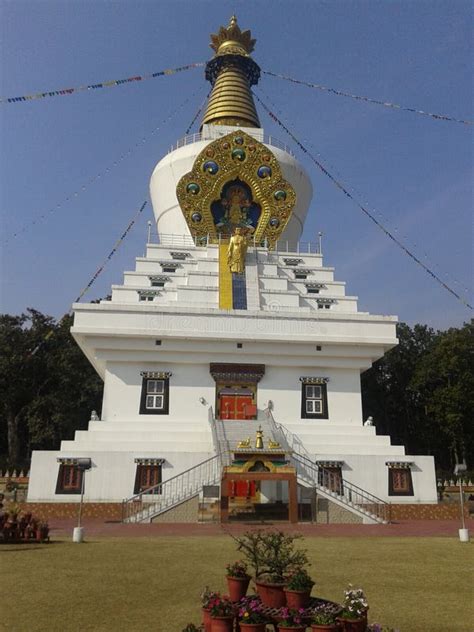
point(153, 584)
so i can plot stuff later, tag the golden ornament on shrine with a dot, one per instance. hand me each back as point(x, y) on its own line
point(259, 439)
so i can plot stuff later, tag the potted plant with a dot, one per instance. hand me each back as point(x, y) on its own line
point(207, 599)
point(42, 532)
point(298, 588)
point(324, 619)
point(250, 615)
point(354, 614)
point(222, 615)
point(272, 555)
point(237, 580)
point(292, 619)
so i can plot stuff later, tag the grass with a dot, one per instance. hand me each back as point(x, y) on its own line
point(414, 584)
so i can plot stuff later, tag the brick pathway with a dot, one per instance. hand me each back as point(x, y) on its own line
point(403, 528)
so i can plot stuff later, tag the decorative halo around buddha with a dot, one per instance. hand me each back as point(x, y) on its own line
point(236, 182)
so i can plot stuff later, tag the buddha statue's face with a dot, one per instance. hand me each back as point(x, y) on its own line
point(238, 231)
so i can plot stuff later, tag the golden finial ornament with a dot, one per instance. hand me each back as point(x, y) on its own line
point(259, 439)
point(232, 72)
point(231, 40)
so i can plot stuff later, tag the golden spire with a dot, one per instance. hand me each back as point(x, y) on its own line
point(231, 72)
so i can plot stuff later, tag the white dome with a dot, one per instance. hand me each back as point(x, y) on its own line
point(168, 172)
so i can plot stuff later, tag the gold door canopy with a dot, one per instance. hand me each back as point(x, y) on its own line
point(236, 181)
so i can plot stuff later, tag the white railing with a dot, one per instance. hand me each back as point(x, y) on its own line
point(188, 241)
point(221, 442)
point(152, 501)
point(195, 138)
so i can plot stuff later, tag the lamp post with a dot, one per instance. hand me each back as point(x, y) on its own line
point(82, 465)
point(463, 532)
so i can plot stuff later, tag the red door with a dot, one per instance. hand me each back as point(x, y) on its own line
point(233, 406)
point(243, 489)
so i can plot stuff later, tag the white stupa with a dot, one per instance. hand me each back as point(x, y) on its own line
point(196, 355)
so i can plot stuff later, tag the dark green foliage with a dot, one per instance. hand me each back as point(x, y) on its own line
point(421, 393)
point(271, 553)
point(46, 395)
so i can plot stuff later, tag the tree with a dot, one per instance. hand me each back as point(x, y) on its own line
point(386, 387)
point(421, 393)
point(48, 387)
point(444, 379)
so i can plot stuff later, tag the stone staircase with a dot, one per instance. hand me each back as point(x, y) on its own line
point(150, 503)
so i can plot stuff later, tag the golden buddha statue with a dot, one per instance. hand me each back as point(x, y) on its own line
point(237, 251)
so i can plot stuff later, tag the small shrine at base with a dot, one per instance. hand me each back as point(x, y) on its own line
point(260, 483)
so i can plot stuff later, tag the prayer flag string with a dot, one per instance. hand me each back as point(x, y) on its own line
point(81, 189)
point(387, 104)
point(111, 253)
point(196, 116)
point(344, 189)
point(96, 274)
point(97, 86)
point(375, 211)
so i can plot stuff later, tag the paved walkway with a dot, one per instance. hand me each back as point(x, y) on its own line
point(405, 528)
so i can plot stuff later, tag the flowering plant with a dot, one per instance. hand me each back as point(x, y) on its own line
point(291, 617)
point(355, 603)
point(251, 611)
point(222, 607)
point(237, 569)
point(299, 580)
point(208, 597)
point(324, 615)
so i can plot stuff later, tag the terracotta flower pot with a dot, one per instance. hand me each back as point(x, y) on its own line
point(321, 627)
point(354, 625)
point(206, 620)
point(252, 627)
point(272, 595)
point(222, 624)
point(297, 598)
point(237, 587)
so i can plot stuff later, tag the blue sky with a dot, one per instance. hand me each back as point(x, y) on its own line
point(414, 172)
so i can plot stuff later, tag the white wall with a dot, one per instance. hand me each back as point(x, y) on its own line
point(189, 382)
point(282, 385)
point(111, 478)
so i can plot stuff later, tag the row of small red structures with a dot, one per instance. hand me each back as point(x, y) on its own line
point(16, 529)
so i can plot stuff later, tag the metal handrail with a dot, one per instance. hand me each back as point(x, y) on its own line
point(321, 477)
point(223, 446)
point(195, 138)
point(347, 492)
point(215, 438)
point(188, 241)
point(173, 491)
point(287, 438)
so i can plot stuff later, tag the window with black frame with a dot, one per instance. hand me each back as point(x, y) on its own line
point(69, 479)
point(154, 399)
point(147, 476)
point(314, 401)
point(400, 482)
